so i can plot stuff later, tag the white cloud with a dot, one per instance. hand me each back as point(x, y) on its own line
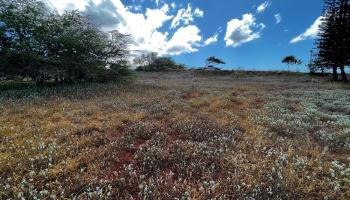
point(62, 5)
point(262, 7)
point(278, 18)
point(242, 31)
point(186, 16)
point(136, 8)
point(198, 12)
point(185, 39)
point(310, 33)
point(144, 28)
point(212, 40)
point(158, 2)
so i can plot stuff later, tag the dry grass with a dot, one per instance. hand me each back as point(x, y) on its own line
point(178, 136)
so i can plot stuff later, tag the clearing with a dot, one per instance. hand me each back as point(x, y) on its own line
point(178, 135)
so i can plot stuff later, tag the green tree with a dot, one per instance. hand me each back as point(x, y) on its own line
point(347, 33)
point(145, 59)
point(332, 45)
point(20, 51)
point(163, 64)
point(39, 43)
point(152, 63)
point(214, 60)
point(291, 60)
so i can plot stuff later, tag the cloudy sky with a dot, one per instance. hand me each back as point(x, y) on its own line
point(247, 34)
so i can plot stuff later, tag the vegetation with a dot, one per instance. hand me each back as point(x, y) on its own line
point(152, 63)
point(213, 60)
point(38, 43)
point(291, 60)
point(177, 136)
point(188, 134)
point(334, 38)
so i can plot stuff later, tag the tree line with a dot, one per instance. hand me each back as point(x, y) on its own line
point(151, 62)
point(332, 48)
point(38, 43)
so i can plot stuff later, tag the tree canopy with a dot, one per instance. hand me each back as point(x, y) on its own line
point(150, 62)
point(214, 60)
point(332, 46)
point(291, 60)
point(39, 43)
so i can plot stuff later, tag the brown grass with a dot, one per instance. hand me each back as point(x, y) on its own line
point(177, 135)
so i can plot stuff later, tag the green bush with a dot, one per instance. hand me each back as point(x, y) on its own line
point(162, 64)
point(122, 69)
point(37, 42)
point(112, 73)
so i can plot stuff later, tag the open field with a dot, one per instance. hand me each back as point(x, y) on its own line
point(178, 136)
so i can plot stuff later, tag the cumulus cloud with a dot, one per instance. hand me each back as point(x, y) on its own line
point(212, 40)
point(310, 33)
point(144, 27)
point(262, 7)
point(198, 12)
point(278, 18)
point(185, 39)
point(61, 5)
point(102, 13)
point(136, 8)
point(186, 16)
point(243, 31)
point(158, 2)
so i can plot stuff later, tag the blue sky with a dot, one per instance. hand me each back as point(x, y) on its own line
point(267, 51)
point(247, 34)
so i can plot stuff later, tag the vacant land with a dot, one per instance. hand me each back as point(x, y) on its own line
point(178, 136)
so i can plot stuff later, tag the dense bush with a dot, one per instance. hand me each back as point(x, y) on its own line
point(161, 64)
point(37, 42)
point(113, 72)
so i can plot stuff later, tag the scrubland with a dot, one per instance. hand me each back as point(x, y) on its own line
point(178, 135)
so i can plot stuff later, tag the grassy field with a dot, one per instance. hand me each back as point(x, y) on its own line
point(178, 135)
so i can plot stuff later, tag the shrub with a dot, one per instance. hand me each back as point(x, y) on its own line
point(37, 42)
point(161, 64)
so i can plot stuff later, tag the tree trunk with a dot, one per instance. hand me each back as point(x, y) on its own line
point(343, 74)
point(335, 74)
point(40, 80)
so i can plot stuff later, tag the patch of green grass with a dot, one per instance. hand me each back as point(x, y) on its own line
point(15, 85)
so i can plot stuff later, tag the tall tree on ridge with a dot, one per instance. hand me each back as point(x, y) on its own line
point(333, 39)
point(214, 60)
point(291, 60)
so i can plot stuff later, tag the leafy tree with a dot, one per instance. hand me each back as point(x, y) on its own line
point(164, 64)
point(21, 20)
point(151, 63)
point(316, 66)
point(291, 60)
point(117, 48)
point(118, 69)
point(37, 42)
point(145, 59)
point(214, 60)
point(347, 33)
point(332, 45)
point(73, 46)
